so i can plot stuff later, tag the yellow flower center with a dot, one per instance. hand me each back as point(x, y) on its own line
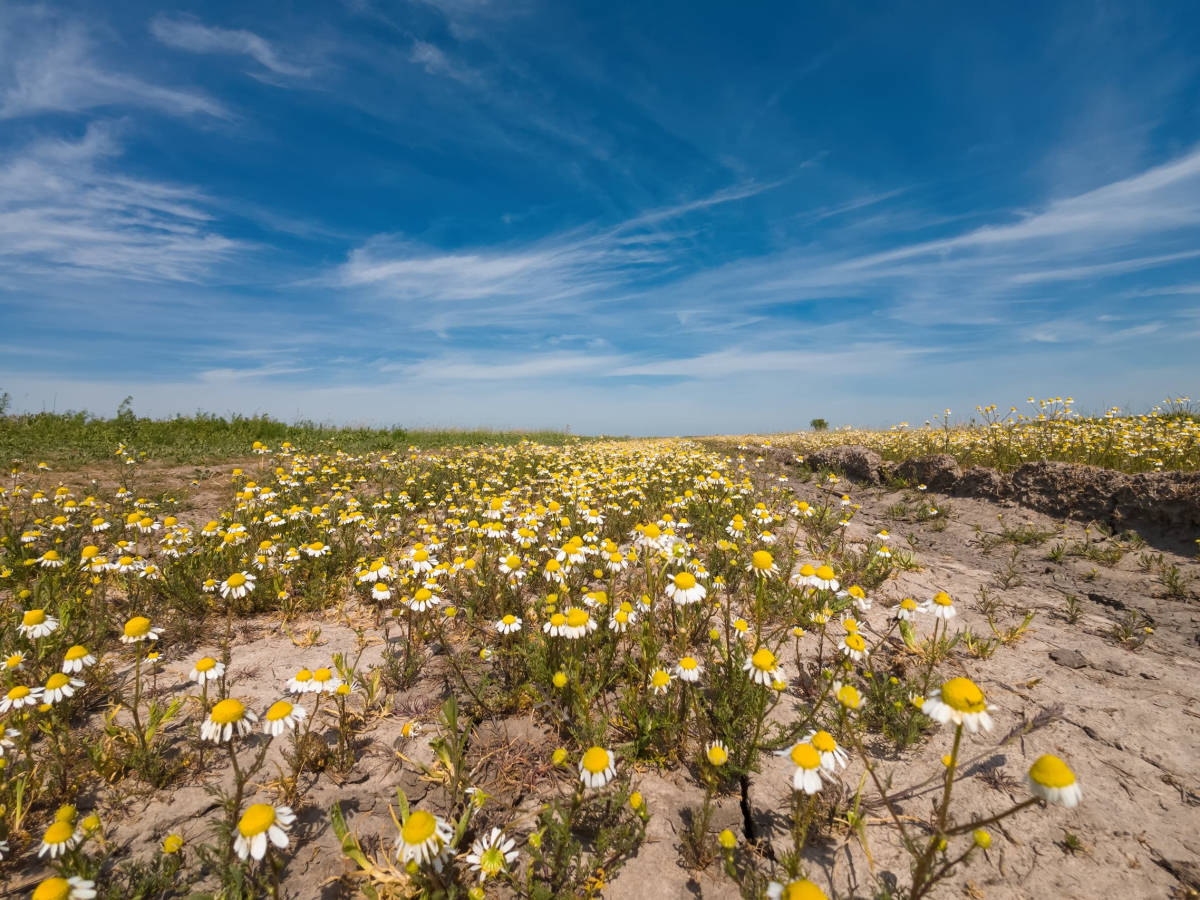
point(685, 581)
point(558, 620)
point(806, 570)
point(322, 675)
point(421, 556)
point(20, 692)
point(419, 828)
point(58, 833)
point(57, 680)
point(577, 618)
point(805, 756)
point(652, 532)
point(963, 695)
point(717, 755)
point(1050, 771)
point(138, 626)
point(763, 659)
point(660, 678)
point(855, 642)
point(823, 741)
point(513, 562)
point(688, 662)
point(510, 619)
point(33, 617)
point(596, 760)
point(53, 889)
point(207, 664)
point(802, 890)
point(941, 598)
point(237, 579)
point(90, 552)
point(762, 560)
point(553, 566)
point(228, 711)
point(77, 652)
point(848, 696)
point(856, 591)
point(257, 818)
point(825, 573)
point(304, 676)
point(281, 709)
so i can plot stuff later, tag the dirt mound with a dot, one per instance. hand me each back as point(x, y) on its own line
point(855, 461)
point(939, 472)
point(1165, 500)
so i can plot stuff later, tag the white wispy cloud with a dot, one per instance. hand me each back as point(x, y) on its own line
point(47, 65)
point(529, 279)
point(435, 61)
point(66, 211)
point(188, 33)
point(703, 323)
point(1117, 229)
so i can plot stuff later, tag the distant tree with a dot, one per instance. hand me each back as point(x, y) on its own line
point(819, 425)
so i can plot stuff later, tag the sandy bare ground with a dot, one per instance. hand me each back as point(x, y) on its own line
point(1129, 726)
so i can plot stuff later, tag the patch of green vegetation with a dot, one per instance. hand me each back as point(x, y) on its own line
point(72, 438)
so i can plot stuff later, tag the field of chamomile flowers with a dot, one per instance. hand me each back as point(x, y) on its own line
point(660, 668)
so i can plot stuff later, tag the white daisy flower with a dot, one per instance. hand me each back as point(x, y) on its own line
point(763, 667)
point(237, 585)
point(424, 839)
point(224, 719)
point(301, 682)
point(940, 605)
point(76, 659)
point(1052, 779)
point(689, 669)
point(510, 624)
point(807, 760)
point(20, 696)
point(960, 701)
point(35, 623)
point(684, 590)
point(282, 716)
point(262, 823)
point(597, 768)
point(57, 888)
point(59, 687)
point(854, 646)
point(60, 837)
point(325, 681)
point(206, 669)
point(832, 755)
point(491, 855)
point(660, 680)
point(824, 579)
point(139, 629)
point(801, 889)
point(579, 623)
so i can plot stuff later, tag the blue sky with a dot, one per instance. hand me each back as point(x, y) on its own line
point(647, 218)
